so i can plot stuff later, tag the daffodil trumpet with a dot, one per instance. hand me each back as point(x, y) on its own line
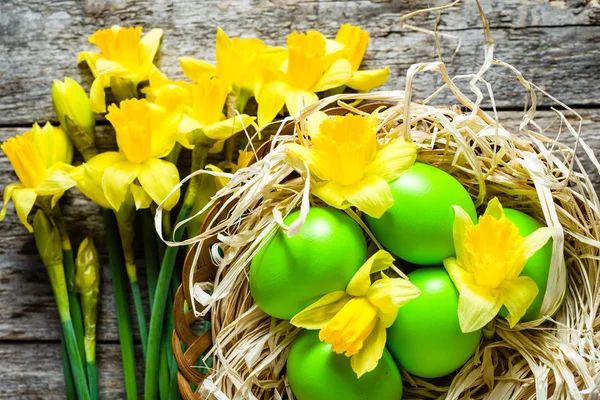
point(349, 165)
point(48, 243)
point(87, 281)
point(354, 321)
point(486, 270)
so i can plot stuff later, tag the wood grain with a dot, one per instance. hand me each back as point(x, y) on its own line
point(558, 47)
point(34, 371)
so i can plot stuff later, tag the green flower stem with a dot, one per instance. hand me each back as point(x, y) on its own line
point(122, 307)
point(163, 373)
point(76, 365)
point(69, 385)
point(150, 252)
point(151, 257)
point(199, 156)
point(174, 387)
point(59, 286)
point(93, 379)
point(69, 268)
point(125, 222)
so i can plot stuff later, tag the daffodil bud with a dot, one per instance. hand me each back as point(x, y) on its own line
point(53, 144)
point(47, 240)
point(87, 265)
point(72, 107)
point(87, 281)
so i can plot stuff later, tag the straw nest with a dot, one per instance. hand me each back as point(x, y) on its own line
point(537, 169)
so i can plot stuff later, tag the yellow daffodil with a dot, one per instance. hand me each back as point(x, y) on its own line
point(238, 61)
point(489, 258)
point(354, 321)
point(355, 41)
point(39, 158)
point(205, 115)
point(350, 166)
point(307, 70)
point(145, 134)
point(124, 54)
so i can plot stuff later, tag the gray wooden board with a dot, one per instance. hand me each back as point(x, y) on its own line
point(556, 44)
point(557, 47)
point(34, 371)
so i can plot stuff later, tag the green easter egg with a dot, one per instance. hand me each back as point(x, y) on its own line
point(538, 266)
point(418, 227)
point(426, 339)
point(315, 372)
point(289, 274)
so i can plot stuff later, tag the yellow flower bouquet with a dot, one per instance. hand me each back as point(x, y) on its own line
point(341, 243)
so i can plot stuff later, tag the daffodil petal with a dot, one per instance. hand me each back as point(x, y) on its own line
point(331, 193)
point(476, 305)
point(364, 81)
point(392, 160)
point(188, 124)
point(56, 183)
point(388, 295)
point(197, 70)
point(318, 314)
point(158, 177)
point(296, 99)
point(24, 199)
point(361, 281)
point(528, 248)
point(97, 95)
point(111, 68)
point(315, 160)
point(494, 209)
point(313, 122)
point(86, 185)
point(372, 196)
point(225, 129)
point(270, 96)
point(149, 44)
point(368, 356)
point(116, 182)
point(140, 197)
point(462, 222)
point(338, 74)
point(517, 295)
point(90, 59)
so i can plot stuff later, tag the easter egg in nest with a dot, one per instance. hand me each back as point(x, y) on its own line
point(290, 273)
point(418, 227)
point(315, 372)
point(426, 339)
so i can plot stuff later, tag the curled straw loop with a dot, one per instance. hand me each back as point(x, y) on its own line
point(536, 169)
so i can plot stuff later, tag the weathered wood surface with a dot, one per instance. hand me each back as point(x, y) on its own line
point(557, 45)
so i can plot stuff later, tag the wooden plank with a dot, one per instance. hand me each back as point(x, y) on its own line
point(34, 371)
point(33, 317)
point(557, 47)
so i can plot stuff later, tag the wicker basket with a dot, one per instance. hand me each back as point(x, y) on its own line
point(480, 372)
